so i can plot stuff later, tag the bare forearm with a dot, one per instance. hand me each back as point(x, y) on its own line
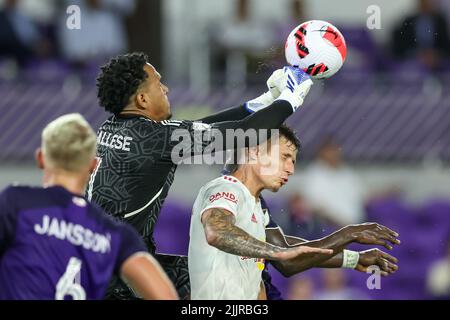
point(225, 236)
point(366, 233)
point(236, 241)
point(333, 262)
point(292, 241)
point(336, 241)
point(222, 233)
point(293, 266)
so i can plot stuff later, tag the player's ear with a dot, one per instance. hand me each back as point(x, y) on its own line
point(142, 100)
point(39, 158)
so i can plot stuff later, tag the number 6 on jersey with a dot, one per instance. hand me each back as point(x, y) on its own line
point(69, 283)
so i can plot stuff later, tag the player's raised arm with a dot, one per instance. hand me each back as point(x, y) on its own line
point(193, 138)
point(222, 233)
point(254, 105)
point(294, 85)
point(369, 233)
point(143, 273)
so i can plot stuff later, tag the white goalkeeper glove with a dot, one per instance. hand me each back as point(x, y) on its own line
point(294, 86)
point(275, 81)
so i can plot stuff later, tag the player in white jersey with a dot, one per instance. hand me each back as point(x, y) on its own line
point(228, 246)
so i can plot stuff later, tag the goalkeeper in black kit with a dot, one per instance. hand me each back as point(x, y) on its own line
point(136, 158)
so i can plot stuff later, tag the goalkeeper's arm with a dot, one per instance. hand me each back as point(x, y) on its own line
point(293, 88)
point(252, 106)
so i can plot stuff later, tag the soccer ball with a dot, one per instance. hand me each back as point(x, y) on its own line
point(317, 47)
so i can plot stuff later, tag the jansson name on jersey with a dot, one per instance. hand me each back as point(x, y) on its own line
point(74, 233)
point(114, 141)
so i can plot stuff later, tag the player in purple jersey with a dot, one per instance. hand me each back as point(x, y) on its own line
point(54, 244)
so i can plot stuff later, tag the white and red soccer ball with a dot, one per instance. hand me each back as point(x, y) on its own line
point(317, 47)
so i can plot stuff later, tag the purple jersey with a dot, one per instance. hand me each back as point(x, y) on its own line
point(56, 245)
point(272, 291)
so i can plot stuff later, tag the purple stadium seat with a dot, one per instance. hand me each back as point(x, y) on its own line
point(46, 71)
point(436, 213)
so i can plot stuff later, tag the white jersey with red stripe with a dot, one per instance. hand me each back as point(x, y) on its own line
point(215, 274)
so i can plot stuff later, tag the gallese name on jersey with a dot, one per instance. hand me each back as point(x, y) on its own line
point(114, 141)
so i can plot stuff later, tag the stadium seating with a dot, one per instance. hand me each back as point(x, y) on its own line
point(391, 122)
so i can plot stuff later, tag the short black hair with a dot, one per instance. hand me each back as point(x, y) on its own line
point(284, 131)
point(119, 79)
point(291, 136)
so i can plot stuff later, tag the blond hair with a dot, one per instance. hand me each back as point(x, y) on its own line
point(68, 143)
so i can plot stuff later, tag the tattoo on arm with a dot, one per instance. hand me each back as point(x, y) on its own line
point(232, 239)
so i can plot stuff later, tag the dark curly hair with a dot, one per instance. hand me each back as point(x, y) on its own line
point(119, 80)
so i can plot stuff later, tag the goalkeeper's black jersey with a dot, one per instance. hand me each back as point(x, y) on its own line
point(135, 169)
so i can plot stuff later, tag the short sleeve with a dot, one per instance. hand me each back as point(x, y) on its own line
point(130, 244)
point(226, 195)
point(8, 217)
